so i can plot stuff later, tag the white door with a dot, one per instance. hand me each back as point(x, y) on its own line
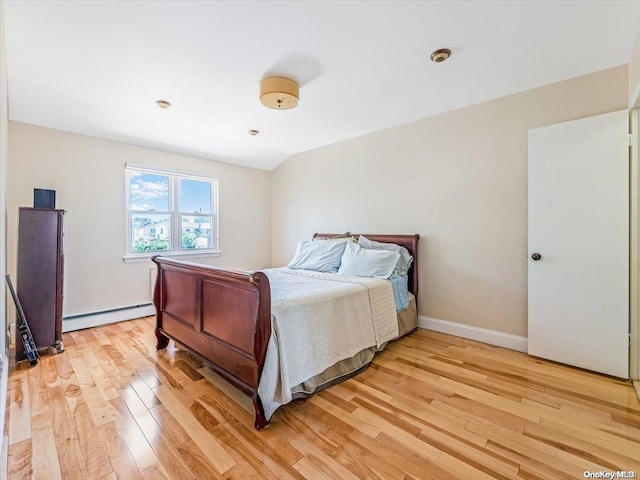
point(579, 225)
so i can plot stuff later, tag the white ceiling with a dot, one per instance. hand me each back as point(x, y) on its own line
point(97, 67)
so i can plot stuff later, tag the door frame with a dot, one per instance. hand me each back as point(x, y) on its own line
point(634, 243)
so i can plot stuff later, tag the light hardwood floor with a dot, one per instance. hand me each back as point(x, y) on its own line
point(430, 406)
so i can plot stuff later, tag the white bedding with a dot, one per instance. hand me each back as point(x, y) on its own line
point(317, 320)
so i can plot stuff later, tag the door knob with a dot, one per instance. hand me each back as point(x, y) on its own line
point(536, 256)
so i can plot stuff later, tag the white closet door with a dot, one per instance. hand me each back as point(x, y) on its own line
point(579, 225)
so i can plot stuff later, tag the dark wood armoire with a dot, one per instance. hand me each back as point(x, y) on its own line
point(41, 275)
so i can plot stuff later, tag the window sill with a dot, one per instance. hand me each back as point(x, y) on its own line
point(145, 257)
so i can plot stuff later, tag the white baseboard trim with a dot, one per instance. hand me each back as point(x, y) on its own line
point(492, 337)
point(78, 322)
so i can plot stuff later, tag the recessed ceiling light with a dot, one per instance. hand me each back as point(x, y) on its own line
point(253, 133)
point(440, 55)
point(163, 104)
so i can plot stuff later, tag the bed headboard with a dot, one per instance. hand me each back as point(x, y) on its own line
point(410, 242)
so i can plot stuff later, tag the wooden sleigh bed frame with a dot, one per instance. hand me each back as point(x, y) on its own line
point(225, 316)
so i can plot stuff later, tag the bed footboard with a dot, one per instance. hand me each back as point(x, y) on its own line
point(221, 315)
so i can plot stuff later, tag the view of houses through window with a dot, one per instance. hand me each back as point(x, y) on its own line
point(170, 212)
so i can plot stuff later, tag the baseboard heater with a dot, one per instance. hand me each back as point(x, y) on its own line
point(104, 317)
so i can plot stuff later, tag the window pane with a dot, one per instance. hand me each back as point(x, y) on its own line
point(150, 232)
point(195, 196)
point(149, 191)
point(196, 231)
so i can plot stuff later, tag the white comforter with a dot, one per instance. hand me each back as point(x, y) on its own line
point(318, 319)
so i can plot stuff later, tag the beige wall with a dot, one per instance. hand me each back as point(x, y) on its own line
point(89, 178)
point(634, 76)
point(458, 179)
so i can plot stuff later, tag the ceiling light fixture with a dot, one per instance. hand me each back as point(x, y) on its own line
point(279, 93)
point(440, 55)
point(163, 104)
point(253, 133)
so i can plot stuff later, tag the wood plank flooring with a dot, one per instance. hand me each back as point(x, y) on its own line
point(431, 406)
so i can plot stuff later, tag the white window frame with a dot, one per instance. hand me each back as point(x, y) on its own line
point(175, 216)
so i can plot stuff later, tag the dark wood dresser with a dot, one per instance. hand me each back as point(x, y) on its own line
point(41, 275)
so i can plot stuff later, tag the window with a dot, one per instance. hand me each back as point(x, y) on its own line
point(170, 213)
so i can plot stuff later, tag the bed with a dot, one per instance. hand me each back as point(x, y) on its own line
point(227, 317)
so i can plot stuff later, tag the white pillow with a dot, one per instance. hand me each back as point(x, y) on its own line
point(363, 262)
point(404, 262)
point(318, 256)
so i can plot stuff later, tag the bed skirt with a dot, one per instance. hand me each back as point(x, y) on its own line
point(407, 322)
